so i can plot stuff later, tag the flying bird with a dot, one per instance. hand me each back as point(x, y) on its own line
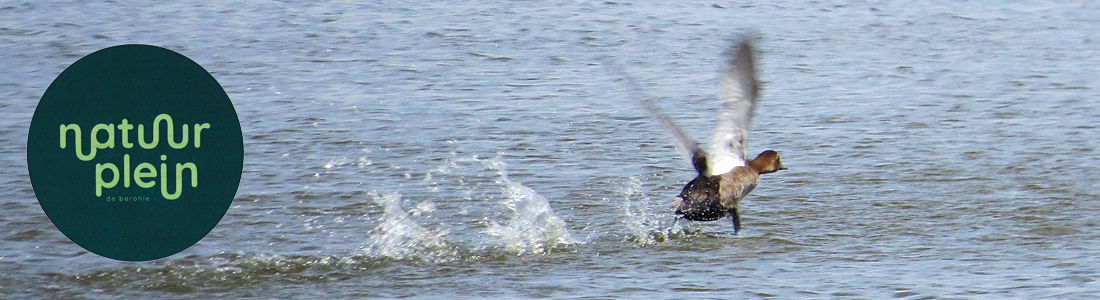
point(725, 176)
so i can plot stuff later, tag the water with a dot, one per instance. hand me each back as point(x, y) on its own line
point(439, 150)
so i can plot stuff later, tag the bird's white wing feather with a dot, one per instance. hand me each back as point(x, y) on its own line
point(737, 92)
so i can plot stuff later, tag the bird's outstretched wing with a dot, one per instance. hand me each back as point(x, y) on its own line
point(685, 144)
point(737, 92)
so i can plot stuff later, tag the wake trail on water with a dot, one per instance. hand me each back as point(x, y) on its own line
point(518, 222)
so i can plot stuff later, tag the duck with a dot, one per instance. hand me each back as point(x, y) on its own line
point(723, 174)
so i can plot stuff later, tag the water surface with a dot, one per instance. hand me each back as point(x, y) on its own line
point(438, 150)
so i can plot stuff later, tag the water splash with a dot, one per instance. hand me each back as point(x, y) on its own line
point(398, 236)
point(532, 227)
point(644, 219)
point(516, 219)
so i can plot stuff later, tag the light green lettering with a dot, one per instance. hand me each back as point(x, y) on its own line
point(141, 136)
point(198, 129)
point(145, 170)
point(179, 179)
point(125, 128)
point(99, 183)
point(76, 134)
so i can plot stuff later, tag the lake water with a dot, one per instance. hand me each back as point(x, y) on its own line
point(434, 149)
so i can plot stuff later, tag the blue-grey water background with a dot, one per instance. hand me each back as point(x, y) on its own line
point(439, 149)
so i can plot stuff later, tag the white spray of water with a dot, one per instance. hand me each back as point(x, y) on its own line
point(642, 218)
point(527, 224)
point(532, 227)
point(398, 236)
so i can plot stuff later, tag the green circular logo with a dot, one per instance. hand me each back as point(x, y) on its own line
point(135, 152)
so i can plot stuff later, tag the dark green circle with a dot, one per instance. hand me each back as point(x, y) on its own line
point(137, 83)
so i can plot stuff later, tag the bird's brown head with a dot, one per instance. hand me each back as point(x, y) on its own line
point(767, 162)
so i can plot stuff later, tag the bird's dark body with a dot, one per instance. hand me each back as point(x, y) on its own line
point(701, 200)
